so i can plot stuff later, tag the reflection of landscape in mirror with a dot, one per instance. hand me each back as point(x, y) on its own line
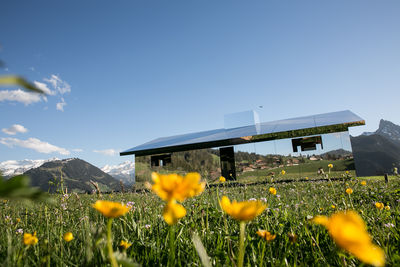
point(266, 160)
point(204, 161)
point(299, 157)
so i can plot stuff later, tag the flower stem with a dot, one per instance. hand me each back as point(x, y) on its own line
point(241, 244)
point(171, 259)
point(330, 181)
point(262, 254)
point(109, 244)
point(218, 197)
point(351, 202)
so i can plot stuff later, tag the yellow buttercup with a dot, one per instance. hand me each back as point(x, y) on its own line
point(173, 186)
point(242, 211)
point(110, 209)
point(348, 231)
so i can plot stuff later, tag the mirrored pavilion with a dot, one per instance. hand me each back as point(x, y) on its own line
point(246, 149)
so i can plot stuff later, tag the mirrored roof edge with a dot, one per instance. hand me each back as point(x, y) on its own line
point(160, 145)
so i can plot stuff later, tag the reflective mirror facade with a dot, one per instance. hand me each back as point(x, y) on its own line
point(299, 158)
point(297, 148)
point(204, 161)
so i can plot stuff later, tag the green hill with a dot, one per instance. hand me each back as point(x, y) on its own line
point(75, 173)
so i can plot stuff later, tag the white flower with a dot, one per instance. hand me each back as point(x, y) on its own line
point(389, 225)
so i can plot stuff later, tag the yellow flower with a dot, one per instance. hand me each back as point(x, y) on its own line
point(266, 235)
point(349, 191)
point(125, 245)
point(348, 231)
point(173, 186)
point(68, 237)
point(333, 206)
point(283, 172)
point(363, 183)
point(173, 212)
point(272, 191)
point(30, 239)
point(306, 178)
point(242, 211)
point(222, 179)
point(387, 207)
point(110, 209)
point(347, 172)
point(330, 166)
point(379, 205)
point(18, 220)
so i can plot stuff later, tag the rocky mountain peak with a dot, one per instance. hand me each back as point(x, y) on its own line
point(389, 130)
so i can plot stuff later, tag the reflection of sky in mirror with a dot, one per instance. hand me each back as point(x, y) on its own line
point(294, 124)
point(250, 117)
point(333, 141)
point(250, 148)
point(240, 119)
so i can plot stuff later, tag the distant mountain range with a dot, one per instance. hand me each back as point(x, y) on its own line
point(335, 153)
point(11, 168)
point(124, 172)
point(76, 174)
point(376, 153)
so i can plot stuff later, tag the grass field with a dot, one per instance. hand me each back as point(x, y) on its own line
point(288, 213)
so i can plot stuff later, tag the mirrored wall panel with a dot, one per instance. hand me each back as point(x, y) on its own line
point(305, 158)
point(204, 161)
point(308, 157)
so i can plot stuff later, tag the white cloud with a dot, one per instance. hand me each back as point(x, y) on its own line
point(107, 152)
point(77, 150)
point(16, 128)
point(35, 144)
point(19, 96)
point(61, 86)
point(60, 105)
point(51, 86)
point(44, 88)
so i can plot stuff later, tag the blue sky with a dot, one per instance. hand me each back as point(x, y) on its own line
point(126, 72)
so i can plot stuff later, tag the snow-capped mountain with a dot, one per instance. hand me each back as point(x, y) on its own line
point(124, 171)
point(16, 167)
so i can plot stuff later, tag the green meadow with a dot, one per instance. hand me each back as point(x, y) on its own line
point(288, 215)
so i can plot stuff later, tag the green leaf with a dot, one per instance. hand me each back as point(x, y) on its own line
point(205, 260)
point(18, 187)
point(123, 260)
point(13, 80)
